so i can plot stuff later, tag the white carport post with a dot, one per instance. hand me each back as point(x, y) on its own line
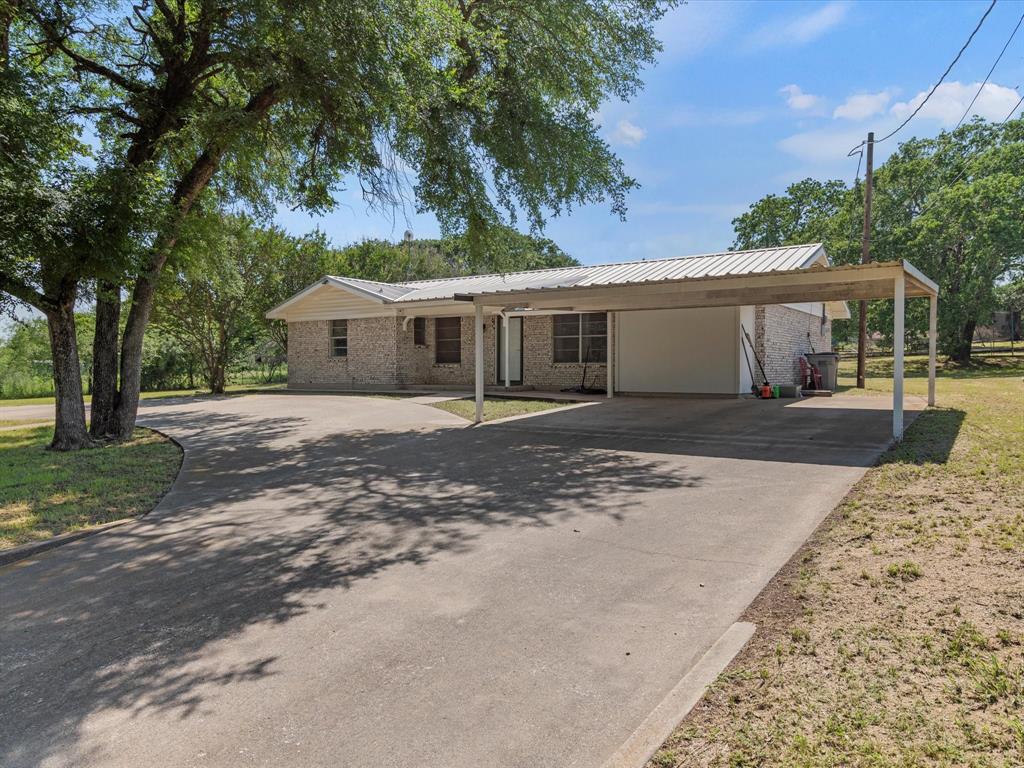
point(504, 336)
point(933, 322)
point(610, 357)
point(897, 357)
point(478, 362)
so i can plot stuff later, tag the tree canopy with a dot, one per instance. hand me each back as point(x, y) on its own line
point(952, 205)
point(126, 119)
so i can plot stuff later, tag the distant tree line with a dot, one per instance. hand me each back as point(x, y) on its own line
point(208, 320)
point(953, 206)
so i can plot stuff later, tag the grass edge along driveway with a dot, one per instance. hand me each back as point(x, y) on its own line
point(895, 636)
point(46, 493)
point(499, 407)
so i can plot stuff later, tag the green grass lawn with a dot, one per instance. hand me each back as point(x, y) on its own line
point(895, 637)
point(236, 389)
point(45, 493)
point(20, 422)
point(498, 407)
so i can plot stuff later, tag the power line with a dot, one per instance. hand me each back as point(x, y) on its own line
point(994, 65)
point(941, 79)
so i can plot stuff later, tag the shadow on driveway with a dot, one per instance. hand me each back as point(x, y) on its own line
point(262, 521)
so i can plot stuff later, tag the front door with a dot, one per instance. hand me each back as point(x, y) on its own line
point(514, 342)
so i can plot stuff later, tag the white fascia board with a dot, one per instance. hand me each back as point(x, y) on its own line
point(921, 277)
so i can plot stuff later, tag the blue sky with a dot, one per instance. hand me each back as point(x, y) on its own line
point(748, 97)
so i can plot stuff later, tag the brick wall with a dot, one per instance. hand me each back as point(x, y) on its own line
point(417, 366)
point(541, 372)
point(372, 360)
point(781, 336)
point(381, 355)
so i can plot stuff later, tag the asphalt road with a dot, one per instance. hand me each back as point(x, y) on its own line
point(350, 581)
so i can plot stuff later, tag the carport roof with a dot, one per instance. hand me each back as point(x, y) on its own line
point(832, 285)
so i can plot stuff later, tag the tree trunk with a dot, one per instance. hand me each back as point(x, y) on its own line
point(189, 187)
point(104, 360)
point(961, 352)
point(69, 432)
point(217, 378)
point(127, 407)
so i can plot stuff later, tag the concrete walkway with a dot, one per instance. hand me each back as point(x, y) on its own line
point(348, 581)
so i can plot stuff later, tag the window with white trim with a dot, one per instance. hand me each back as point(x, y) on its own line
point(339, 338)
point(581, 338)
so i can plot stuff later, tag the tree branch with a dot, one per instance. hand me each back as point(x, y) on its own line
point(26, 293)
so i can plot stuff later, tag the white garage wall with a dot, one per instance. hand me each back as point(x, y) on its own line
point(679, 350)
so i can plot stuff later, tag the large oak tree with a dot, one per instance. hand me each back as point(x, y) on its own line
point(952, 205)
point(120, 119)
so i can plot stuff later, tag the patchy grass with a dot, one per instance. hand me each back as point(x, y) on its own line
point(21, 422)
point(498, 407)
point(231, 389)
point(895, 637)
point(45, 493)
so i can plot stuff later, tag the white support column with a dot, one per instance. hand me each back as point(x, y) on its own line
point(504, 338)
point(933, 323)
point(478, 361)
point(610, 357)
point(899, 303)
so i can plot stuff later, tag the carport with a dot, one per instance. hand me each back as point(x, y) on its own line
point(897, 280)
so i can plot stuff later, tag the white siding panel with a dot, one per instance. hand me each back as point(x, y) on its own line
point(693, 351)
point(331, 303)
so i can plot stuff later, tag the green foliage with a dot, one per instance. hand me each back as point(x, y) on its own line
point(208, 303)
point(228, 272)
point(952, 205)
point(26, 367)
point(478, 112)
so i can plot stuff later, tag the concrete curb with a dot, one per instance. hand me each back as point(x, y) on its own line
point(645, 741)
point(26, 551)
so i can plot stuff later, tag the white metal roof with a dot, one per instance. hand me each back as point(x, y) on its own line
point(680, 268)
point(721, 264)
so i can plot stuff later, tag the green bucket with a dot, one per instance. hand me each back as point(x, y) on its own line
point(775, 391)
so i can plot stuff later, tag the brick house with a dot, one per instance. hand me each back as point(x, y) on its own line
point(345, 333)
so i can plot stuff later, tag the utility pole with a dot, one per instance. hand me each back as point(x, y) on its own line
point(865, 257)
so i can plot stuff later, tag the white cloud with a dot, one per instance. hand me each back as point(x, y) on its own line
point(628, 133)
point(861, 106)
point(691, 28)
point(799, 30)
point(798, 100)
point(822, 146)
point(950, 100)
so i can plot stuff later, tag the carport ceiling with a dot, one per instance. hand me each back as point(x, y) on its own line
point(844, 283)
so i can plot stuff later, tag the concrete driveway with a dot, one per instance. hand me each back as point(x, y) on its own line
point(354, 581)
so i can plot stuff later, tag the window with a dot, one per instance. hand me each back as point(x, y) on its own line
point(339, 338)
point(448, 340)
point(419, 331)
point(581, 338)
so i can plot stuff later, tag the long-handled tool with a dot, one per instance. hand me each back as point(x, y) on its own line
point(753, 387)
point(764, 376)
